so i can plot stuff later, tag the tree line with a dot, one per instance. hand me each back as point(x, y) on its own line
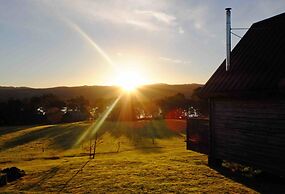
point(49, 108)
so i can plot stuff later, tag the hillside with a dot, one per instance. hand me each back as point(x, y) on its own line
point(151, 159)
point(93, 92)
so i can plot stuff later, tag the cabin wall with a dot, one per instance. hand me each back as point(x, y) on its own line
point(250, 132)
point(197, 135)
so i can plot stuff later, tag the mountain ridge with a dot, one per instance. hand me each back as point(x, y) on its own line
point(152, 91)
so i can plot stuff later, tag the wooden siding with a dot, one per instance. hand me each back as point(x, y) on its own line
point(250, 132)
point(197, 135)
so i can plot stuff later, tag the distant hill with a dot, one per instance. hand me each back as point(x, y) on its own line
point(153, 91)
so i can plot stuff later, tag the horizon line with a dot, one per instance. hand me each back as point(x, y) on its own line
point(65, 86)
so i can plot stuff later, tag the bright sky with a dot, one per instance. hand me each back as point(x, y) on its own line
point(68, 42)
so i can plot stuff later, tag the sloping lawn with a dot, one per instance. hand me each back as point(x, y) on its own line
point(145, 156)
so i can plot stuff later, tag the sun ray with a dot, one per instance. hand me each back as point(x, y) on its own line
point(86, 37)
point(98, 123)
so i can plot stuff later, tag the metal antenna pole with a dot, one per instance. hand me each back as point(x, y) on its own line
point(228, 38)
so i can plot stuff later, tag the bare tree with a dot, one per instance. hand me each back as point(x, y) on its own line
point(93, 147)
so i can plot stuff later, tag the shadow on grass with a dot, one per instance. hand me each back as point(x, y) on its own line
point(263, 183)
point(63, 136)
point(45, 177)
point(12, 129)
point(141, 134)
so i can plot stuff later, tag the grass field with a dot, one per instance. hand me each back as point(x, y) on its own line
point(132, 157)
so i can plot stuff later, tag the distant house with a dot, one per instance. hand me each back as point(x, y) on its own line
point(247, 103)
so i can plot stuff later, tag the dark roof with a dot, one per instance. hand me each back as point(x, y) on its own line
point(257, 63)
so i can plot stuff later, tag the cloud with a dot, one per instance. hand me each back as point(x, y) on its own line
point(198, 16)
point(152, 20)
point(140, 14)
point(159, 16)
point(119, 54)
point(180, 30)
point(142, 24)
point(177, 61)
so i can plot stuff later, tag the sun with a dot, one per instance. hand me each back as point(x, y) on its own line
point(129, 80)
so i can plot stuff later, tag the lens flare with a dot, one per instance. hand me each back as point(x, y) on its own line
point(98, 123)
point(86, 37)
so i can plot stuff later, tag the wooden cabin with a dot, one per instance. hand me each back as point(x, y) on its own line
point(247, 103)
